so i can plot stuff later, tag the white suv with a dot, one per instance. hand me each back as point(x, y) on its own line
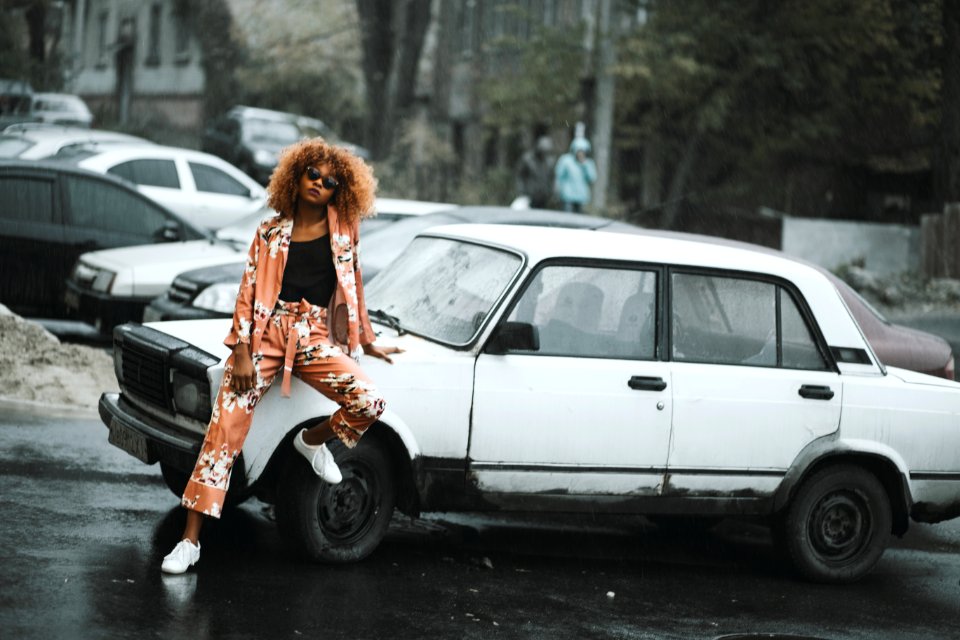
point(570, 370)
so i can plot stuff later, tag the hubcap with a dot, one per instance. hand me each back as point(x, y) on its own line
point(346, 510)
point(839, 525)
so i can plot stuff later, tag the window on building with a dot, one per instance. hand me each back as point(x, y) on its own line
point(103, 20)
point(181, 29)
point(153, 46)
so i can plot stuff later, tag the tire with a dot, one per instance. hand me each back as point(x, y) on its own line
point(343, 522)
point(175, 479)
point(837, 525)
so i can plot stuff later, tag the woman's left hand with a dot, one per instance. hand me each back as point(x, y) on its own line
point(381, 352)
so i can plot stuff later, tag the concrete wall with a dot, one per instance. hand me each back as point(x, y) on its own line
point(884, 248)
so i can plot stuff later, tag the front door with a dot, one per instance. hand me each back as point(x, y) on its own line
point(588, 413)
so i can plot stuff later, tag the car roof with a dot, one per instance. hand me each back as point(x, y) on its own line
point(411, 207)
point(37, 131)
point(136, 149)
point(540, 243)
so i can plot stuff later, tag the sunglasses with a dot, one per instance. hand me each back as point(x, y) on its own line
point(327, 182)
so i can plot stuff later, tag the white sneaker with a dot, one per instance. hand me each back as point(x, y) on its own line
point(320, 459)
point(181, 558)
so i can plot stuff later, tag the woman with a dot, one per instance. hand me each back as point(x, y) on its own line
point(301, 287)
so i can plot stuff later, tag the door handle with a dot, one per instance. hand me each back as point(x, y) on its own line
point(645, 383)
point(816, 392)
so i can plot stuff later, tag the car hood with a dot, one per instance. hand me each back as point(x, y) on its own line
point(148, 270)
point(208, 335)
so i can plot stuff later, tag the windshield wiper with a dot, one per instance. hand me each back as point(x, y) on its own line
point(391, 321)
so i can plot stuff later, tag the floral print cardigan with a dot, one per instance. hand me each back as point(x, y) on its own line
point(260, 285)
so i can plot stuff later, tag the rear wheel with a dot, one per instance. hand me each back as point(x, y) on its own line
point(837, 526)
point(343, 522)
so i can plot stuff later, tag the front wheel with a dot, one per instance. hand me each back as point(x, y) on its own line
point(343, 522)
point(837, 526)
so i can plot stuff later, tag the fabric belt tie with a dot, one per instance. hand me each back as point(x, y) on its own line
point(300, 312)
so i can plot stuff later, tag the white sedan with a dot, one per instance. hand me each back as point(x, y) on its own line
point(202, 188)
point(570, 370)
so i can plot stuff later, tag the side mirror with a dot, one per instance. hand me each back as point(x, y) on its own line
point(170, 232)
point(514, 336)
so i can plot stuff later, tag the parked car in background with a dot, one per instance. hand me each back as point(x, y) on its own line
point(200, 187)
point(251, 138)
point(16, 97)
point(569, 370)
point(50, 214)
point(61, 108)
point(109, 287)
point(210, 292)
point(37, 140)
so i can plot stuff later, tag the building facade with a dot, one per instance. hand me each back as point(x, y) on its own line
point(135, 60)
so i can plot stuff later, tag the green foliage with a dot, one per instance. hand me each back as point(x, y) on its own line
point(763, 86)
point(533, 81)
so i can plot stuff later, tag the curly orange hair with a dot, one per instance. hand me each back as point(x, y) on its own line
point(353, 199)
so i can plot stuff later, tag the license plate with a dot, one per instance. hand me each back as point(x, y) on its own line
point(130, 441)
point(72, 299)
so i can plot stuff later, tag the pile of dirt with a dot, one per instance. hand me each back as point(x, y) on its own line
point(35, 366)
point(905, 292)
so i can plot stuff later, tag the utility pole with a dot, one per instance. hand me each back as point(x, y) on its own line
point(604, 92)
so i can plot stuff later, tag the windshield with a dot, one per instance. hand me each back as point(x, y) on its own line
point(443, 289)
point(13, 147)
point(243, 229)
point(271, 132)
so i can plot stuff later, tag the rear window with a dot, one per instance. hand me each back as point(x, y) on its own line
point(148, 172)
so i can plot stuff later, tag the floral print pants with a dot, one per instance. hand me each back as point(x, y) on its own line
point(296, 341)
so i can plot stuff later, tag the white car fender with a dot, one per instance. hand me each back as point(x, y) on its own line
point(833, 446)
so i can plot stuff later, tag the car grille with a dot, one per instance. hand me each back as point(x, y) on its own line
point(182, 291)
point(144, 375)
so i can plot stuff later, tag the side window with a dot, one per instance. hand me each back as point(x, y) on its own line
point(725, 320)
point(799, 347)
point(149, 173)
point(26, 199)
point(592, 312)
point(213, 180)
point(101, 205)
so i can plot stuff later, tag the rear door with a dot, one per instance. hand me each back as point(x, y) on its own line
point(589, 412)
point(752, 384)
point(32, 264)
point(161, 180)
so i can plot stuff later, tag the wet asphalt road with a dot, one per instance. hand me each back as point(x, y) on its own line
point(84, 527)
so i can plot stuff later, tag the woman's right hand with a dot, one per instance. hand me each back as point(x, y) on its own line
point(244, 373)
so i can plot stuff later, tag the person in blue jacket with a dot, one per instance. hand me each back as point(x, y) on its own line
point(574, 174)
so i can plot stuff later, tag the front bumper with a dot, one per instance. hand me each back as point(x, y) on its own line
point(101, 309)
point(163, 443)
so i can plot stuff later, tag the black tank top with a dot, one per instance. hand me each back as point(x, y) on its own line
point(309, 273)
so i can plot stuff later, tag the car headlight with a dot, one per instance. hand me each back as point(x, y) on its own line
point(218, 297)
point(264, 158)
point(103, 281)
point(190, 396)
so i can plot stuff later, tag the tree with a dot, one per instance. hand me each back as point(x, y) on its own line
point(948, 168)
point(392, 34)
point(735, 94)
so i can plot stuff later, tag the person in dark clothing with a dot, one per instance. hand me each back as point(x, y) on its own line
point(535, 174)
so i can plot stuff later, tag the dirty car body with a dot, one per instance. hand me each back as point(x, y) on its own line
point(573, 370)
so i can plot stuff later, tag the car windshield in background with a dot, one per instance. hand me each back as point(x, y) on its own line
point(443, 289)
point(270, 132)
